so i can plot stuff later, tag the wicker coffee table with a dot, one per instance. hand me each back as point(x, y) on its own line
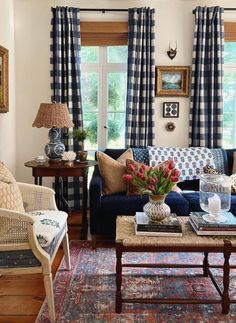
point(127, 241)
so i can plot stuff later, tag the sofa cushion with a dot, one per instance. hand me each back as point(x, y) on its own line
point(141, 155)
point(189, 161)
point(193, 200)
point(10, 194)
point(48, 224)
point(112, 171)
point(120, 204)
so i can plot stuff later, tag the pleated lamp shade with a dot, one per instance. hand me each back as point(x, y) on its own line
point(53, 115)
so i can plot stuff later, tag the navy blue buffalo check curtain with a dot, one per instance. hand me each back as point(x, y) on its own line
point(206, 107)
point(141, 78)
point(65, 73)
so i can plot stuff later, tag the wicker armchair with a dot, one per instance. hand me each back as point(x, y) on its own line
point(20, 251)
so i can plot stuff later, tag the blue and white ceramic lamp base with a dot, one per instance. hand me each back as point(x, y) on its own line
point(55, 148)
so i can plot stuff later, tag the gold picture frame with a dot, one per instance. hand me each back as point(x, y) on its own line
point(172, 80)
point(4, 106)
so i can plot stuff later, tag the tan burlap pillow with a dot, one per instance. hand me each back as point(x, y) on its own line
point(112, 171)
point(10, 196)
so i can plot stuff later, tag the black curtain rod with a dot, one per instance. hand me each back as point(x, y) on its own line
point(225, 9)
point(103, 10)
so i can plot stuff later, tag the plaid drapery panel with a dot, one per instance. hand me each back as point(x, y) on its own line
point(206, 106)
point(141, 78)
point(65, 73)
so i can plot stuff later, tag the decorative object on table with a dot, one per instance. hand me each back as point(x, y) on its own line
point(80, 135)
point(157, 182)
point(169, 226)
point(172, 80)
point(170, 109)
point(40, 159)
point(170, 126)
point(172, 52)
point(82, 156)
point(68, 157)
point(202, 227)
point(215, 196)
point(55, 116)
point(4, 106)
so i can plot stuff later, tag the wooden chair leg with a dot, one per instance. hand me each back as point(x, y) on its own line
point(94, 241)
point(65, 245)
point(49, 295)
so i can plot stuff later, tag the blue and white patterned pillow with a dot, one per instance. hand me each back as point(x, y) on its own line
point(141, 155)
point(189, 161)
point(48, 223)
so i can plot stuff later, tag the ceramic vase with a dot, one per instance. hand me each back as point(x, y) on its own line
point(156, 209)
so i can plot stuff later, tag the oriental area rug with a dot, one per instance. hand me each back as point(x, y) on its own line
point(87, 293)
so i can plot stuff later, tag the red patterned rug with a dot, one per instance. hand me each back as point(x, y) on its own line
point(87, 293)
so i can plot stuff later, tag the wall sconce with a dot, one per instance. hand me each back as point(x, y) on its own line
point(172, 52)
point(170, 126)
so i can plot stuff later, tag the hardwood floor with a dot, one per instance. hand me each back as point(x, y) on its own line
point(22, 296)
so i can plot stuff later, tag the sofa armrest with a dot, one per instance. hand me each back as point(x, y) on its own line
point(95, 194)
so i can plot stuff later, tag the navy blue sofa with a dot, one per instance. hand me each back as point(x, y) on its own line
point(105, 208)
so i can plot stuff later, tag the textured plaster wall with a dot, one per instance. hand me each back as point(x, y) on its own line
point(8, 120)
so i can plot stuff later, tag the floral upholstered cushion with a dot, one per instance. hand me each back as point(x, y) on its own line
point(48, 223)
point(189, 161)
point(10, 195)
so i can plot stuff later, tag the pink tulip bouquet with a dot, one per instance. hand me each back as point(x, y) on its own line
point(157, 180)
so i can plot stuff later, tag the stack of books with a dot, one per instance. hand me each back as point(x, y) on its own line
point(169, 226)
point(203, 228)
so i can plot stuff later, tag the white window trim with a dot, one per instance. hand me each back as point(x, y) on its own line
point(103, 68)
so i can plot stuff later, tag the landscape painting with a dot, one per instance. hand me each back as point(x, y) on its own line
point(172, 81)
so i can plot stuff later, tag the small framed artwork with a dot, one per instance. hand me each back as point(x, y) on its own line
point(170, 109)
point(172, 80)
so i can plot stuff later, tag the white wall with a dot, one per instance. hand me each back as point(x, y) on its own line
point(8, 120)
point(174, 21)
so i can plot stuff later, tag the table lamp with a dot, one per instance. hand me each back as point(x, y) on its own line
point(55, 116)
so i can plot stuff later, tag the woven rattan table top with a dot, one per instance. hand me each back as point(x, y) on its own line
point(125, 234)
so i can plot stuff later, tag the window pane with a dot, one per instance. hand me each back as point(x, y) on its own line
point(117, 85)
point(89, 54)
point(230, 52)
point(117, 54)
point(90, 121)
point(229, 110)
point(89, 91)
point(116, 130)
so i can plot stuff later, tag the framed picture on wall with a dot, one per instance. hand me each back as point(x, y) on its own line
point(170, 109)
point(172, 80)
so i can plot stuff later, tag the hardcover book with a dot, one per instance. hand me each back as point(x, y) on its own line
point(212, 232)
point(168, 224)
point(201, 224)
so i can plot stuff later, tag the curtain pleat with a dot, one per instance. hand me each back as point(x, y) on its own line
point(206, 106)
point(140, 78)
point(65, 85)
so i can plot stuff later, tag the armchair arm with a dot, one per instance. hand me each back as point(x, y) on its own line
point(17, 233)
point(37, 197)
